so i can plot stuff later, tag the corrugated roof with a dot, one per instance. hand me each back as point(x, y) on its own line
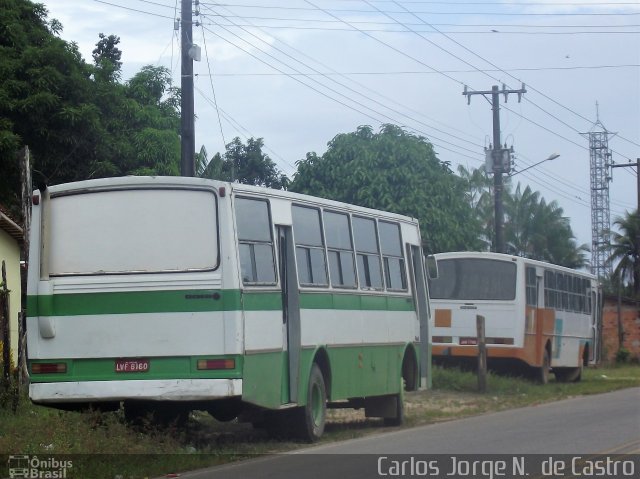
point(13, 229)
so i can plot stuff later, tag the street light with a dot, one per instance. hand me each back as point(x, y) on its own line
point(551, 157)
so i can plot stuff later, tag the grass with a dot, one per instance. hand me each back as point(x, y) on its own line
point(103, 446)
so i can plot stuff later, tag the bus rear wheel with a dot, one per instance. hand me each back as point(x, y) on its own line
point(312, 416)
point(542, 372)
point(568, 375)
point(398, 419)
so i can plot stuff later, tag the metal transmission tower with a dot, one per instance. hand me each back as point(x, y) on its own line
point(600, 162)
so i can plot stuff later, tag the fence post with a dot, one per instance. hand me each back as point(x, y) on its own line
point(482, 354)
point(4, 329)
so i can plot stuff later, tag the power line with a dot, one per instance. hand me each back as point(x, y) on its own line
point(133, 9)
point(356, 10)
point(422, 72)
point(339, 101)
point(213, 90)
point(244, 132)
point(359, 92)
point(495, 66)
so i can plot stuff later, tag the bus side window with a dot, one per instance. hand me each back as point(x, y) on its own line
point(368, 253)
point(310, 256)
point(549, 289)
point(340, 248)
point(255, 241)
point(391, 246)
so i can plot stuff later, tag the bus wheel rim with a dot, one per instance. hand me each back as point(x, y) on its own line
point(316, 405)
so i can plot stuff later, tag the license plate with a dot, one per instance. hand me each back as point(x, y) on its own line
point(132, 365)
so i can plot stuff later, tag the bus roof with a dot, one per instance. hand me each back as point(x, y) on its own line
point(126, 182)
point(506, 257)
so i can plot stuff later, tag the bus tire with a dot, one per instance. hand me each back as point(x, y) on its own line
point(543, 371)
point(398, 419)
point(568, 375)
point(312, 416)
point(225, 410)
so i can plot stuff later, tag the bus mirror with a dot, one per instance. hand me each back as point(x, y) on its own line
point(432, 267)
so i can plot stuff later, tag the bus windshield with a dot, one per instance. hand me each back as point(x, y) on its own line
point(474, 279)
point(132, 231)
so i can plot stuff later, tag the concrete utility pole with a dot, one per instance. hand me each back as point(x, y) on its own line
point(187, 113)
point(498, 158)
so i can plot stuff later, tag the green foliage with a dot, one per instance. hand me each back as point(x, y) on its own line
point(396, 171)
point(106, 57)
point(625, 252)
point(533, 228)
point(246, 164)
point(622, 356)
point(538, 230)
point(78, 120)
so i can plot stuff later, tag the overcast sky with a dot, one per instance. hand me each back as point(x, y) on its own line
point(299, 72)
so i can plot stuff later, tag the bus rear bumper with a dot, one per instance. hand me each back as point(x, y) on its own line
point(153, 390)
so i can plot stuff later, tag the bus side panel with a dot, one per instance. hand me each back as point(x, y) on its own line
point(265, 372)
point(264, 379)
point(572, 334)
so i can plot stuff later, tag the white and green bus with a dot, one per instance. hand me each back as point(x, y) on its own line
point(173, 294)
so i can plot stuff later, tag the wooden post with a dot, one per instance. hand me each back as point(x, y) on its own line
point(482, 354)
point(4, 329)
point(27, 191)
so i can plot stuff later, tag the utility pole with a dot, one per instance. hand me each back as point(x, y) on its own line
point(190, 51)
point(498, 158)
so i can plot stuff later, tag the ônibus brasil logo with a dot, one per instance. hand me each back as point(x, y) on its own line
point(33, 467)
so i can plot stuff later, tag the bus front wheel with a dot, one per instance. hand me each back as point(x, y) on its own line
point(313, 414)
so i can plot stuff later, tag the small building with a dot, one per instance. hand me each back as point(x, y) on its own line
point(11, 237)
point(620, 320)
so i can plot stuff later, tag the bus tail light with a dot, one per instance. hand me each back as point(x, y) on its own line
point(500, 341)
point(208, 364)
point(48, 368)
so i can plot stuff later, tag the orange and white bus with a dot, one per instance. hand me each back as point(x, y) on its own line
point(539, 315)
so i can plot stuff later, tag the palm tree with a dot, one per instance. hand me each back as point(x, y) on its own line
point(479, 187)
point(625, 251)
point(533, 228)
point(539, 230)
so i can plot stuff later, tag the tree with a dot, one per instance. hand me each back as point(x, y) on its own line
point(106, 57)
point(78, 120)
point(538, 230)
point(396, 171)
point(45, 98)
point(533, 228)
point(246, 164)
point(479, 191)
point(625, 251)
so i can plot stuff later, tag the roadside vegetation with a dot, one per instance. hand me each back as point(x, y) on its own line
point(103, 446)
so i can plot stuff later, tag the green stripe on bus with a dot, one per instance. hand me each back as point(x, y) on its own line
point(194, 301)
point(358, 302)
point(191, 301)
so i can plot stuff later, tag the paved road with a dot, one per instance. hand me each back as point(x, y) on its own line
point(607, 423)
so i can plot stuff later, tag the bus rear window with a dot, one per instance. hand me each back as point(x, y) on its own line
point(132, 231)
point(474, 279)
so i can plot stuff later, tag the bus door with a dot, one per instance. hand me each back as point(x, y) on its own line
point(290, 307)
point(419, 286)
